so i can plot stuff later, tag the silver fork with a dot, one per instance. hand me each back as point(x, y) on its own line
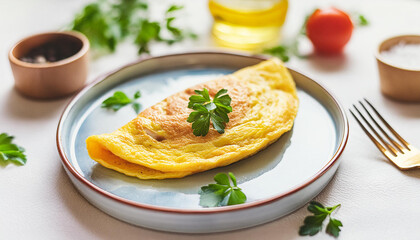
point(403, 155)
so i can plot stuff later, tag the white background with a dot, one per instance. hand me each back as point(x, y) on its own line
point(37, 201)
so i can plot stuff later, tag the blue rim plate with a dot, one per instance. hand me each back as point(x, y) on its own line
point(277, 180)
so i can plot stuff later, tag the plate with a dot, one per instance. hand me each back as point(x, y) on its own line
point(277, 180)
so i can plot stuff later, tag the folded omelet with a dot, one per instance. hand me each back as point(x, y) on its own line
point(159, 143)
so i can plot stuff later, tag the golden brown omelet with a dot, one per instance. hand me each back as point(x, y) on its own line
point(159, 143)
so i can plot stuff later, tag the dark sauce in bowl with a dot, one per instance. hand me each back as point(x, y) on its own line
point(52, 51)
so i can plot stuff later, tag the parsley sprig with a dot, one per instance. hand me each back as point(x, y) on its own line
point(107, 23)
point(206, 109)
point(120, 99)
point(313, 224)
point(152, 31)
point(10, 152)
point(224, 192)
point(100, 28)
point(280, 51)
point(361, 20)
point(284, 51)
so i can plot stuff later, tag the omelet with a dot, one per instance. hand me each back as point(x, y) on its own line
point(159, 143)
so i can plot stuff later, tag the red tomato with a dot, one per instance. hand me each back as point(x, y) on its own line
point(329, 30)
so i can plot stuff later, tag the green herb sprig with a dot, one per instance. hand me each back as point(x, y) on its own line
point(280, 51)
point(107, 23)
point(361, 20)
point(125, 13)
point(178, 34)
point(284, 51)
point(206, 109)
point(98, 25)
point(224, 192)
point(151, 31)
point(119, 99)
point(313, 224)
point(10, 152)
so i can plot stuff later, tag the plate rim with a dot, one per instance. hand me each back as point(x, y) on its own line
point(70, 169)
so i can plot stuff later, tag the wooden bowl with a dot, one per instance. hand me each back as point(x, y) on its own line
point(397, 82)
point(50, 79)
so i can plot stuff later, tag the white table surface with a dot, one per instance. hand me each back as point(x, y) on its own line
point(38, 201)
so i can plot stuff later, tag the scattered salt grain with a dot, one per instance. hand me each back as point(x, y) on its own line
point(404, 55)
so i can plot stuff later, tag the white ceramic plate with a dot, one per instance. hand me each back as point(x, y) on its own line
point(277, 180)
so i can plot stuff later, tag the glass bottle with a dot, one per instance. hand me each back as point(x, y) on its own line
point(247, 24)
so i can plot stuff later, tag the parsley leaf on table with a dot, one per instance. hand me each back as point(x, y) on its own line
point(361, 20)
point(151, 31)
point(173, 8)
point(125, 13)
point(148, 32)
point(280, 51)
point(177, 33)
point(120, 99)
point(222, 193)
point(98, 26)
point(284, 51)
point(313, 224)
point(333, 227)
point(10, 151)
point(206, 109)
point(107, 23)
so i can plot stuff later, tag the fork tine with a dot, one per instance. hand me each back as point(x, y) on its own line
point(382, 130)
point(392, 149)
point(378, 144)
point(406, 144)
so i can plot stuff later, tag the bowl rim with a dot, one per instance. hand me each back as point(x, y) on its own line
point(68, 166)
point(78, 35)
point(380, 58)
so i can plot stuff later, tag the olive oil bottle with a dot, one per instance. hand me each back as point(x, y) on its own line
point(247, 24)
